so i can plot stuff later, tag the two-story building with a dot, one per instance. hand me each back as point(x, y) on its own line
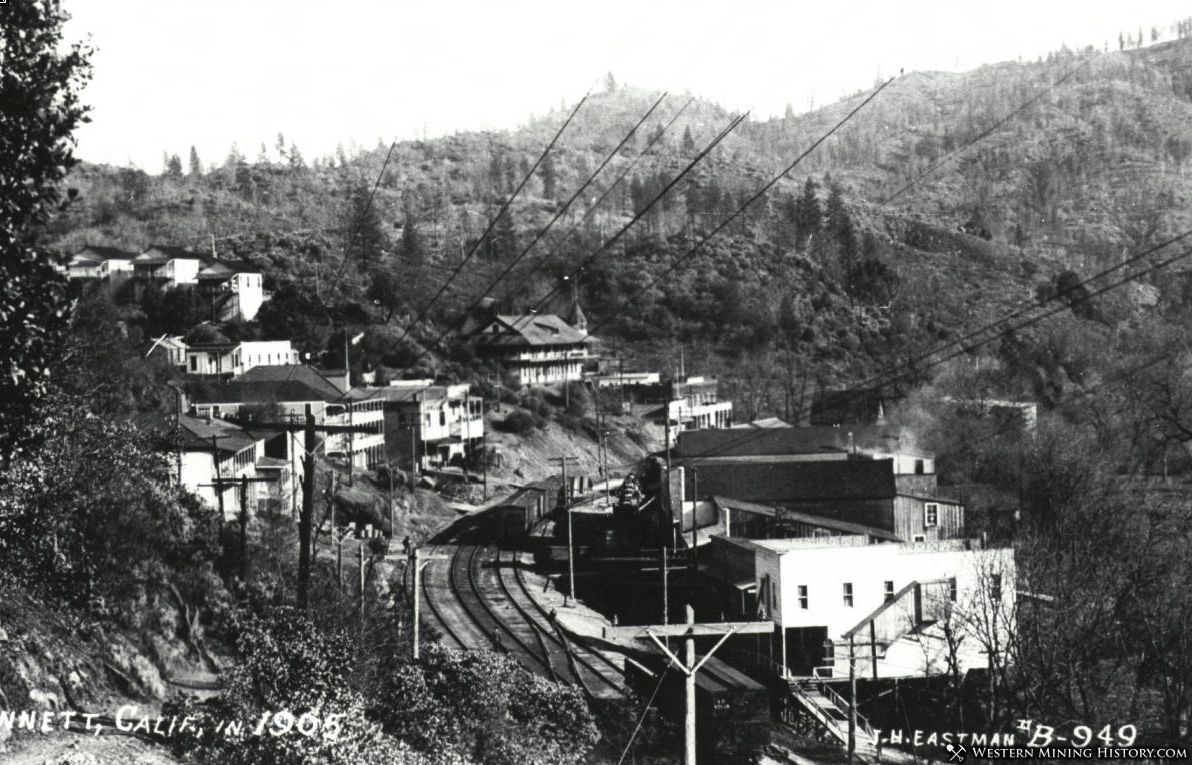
point(96, 262)
point(235, 289)
point(694, 404)
point(360, 408)
point(535, 349)
point(431, 425)
point(168, 266)
point(211, 455)
point(230, 358)
point(901, 609)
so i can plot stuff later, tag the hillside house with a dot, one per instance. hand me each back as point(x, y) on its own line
point(692, 403)
point(208, 449)
point(904, 605)
point(235, 289)
point(95, 262)
point(168, 266)
point(431, 425)
point(230, 358)
point(359, 407)
point(535, 349)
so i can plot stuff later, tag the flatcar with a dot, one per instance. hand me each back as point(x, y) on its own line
point(732, 709)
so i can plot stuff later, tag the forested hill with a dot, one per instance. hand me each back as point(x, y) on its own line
point(940, 205)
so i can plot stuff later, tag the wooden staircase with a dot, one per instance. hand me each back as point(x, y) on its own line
point(817, 702)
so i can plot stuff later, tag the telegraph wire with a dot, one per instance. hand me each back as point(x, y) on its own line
point(492, 224)
point(740, 210)
point(737, 120)
point(595, 206)
point(562, 210)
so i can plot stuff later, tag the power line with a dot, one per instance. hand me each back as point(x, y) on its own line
point(737, 120)
point(492, 224)
point(508, 268)
point(595, 206)
point(740, 210)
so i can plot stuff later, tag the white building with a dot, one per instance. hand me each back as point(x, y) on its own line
point(359, 408)
point(172, 347)
point(230, 358)
point(289, 389)
point(432, 425)
point(236, 289)
point(211, 453)
point(168, 266)
point(892, 599)
point(694, 404)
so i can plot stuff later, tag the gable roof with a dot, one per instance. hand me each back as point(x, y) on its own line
point(219, 270)
point(265, 385)
point(195, 434)
point(161, 253)
point(532, 329)
point(99, 253)
point(734, 442)
point(793, 481)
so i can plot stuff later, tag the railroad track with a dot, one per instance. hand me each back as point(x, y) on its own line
point(592, 670)
point(434, 582)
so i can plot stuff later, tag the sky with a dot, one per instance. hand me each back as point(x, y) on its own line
point(169, 74)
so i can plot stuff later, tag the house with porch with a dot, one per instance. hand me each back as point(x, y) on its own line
point(168, 266)
point(229, 358)
point(288, 389)
point(535, 349)
point(430, 425)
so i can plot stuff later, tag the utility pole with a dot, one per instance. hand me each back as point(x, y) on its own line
point(218, 477)
point(360, 558)
point(241, 485)
point(688, 665)
point(852, 700)
point(570, 531)
point(484, 462)
point(306, 520)
point(694, 505)
point(665, 595)
point(392, 510)
point(420, 561)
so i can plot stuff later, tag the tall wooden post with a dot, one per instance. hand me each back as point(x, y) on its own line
point(852, 699)
point(308, 510)
point(243, 528)
point(689, 712)
point(570, 533)
point(360, 558)
point(665, 596)
point(219, 487)
point(417, 563)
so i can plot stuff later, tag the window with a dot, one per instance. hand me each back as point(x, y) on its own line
point(194, 363)
point(952, 589)
point(995, 586)
point(889, 589)
point(803, 596)
point(931, 514)
point(918, 467)
point(848, 594)
point(919, 538)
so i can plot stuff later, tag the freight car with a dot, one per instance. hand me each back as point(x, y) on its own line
point(525, 508)
point(732, 709)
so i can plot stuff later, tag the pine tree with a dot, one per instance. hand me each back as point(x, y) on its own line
point(174, 166)
point(196, 167)
point(808, 217)
point(549, 176)
point(688, 141)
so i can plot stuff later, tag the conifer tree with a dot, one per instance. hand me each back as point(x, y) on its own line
point(196, 167)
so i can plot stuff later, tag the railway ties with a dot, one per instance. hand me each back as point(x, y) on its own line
point(594, 672)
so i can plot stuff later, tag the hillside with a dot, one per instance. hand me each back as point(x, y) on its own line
point(942, 204)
